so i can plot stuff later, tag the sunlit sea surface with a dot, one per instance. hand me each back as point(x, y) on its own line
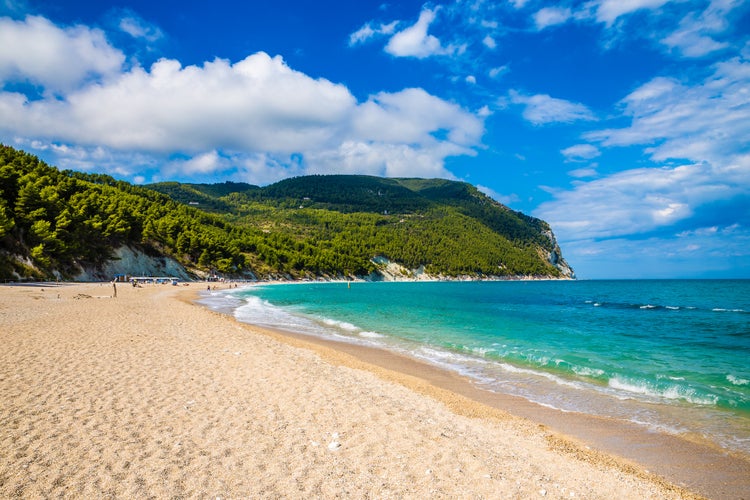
point(673, 356)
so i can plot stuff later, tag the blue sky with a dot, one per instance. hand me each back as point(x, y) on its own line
point(623, 123)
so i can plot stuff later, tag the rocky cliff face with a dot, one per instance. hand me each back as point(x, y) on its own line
point(555, 257)
point(134, 262)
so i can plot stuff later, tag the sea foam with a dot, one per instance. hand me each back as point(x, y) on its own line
point(737, 381)
point(671, 391)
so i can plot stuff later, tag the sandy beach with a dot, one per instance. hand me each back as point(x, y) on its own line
point(148, 395)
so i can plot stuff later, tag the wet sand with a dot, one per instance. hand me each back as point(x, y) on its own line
point(149, 395)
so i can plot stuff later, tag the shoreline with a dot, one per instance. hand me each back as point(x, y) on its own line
point(150, 394)
point(696, 464)
point(704, 468)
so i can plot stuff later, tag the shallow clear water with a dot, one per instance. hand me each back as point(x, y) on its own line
point(670, 355)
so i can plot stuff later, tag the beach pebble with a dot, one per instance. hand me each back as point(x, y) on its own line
point(334, 445)
point(543, 492)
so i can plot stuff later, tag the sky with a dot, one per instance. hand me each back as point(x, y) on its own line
point(625, 124)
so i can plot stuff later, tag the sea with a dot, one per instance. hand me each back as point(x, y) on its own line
point(670, 355)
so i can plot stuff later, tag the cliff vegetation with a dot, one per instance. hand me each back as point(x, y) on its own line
point(71, 225)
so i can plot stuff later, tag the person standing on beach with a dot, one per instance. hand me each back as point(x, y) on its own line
point(114, 289)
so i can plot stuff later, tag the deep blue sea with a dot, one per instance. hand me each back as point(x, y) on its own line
point(670, 355)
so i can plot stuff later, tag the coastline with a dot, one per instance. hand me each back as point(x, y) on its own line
point(699, 466)
point(151, 394)
point(689, 461)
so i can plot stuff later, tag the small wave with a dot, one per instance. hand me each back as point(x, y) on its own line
point(371, 335)
point(585, 371)
point(441, 355)
point(667, 429)
point(343, 325)
point(674, 392)
point(525, 371)
point(660, 307)
point(482, 351)
point(737, 381)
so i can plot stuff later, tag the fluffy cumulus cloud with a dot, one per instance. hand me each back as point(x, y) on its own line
point(59, 59)
point(256, 119)
point(413, 116)
point(257, 103)
point(415, 41)
point(398, 134)
point(542, 109)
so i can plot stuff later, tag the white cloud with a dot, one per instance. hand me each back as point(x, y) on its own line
point(370, 30)
point(580, 152)
point(413, 116)
point(629, 202)
point(542, 109)
point(706, 124)
point(35, 50)
point(692, 43)
point(204, 163)
point(489, 42)
point(551, 16)
point(694, 37)
point(579, 173)
point(607, 11)
point(256, 118)
point(415, 41)
point(471, 79)
point(137, 27)
point(390, 159)
point(258, 103)
point(708, 121)
point(498, 71)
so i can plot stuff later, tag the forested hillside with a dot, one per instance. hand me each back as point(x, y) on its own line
point(58, 223)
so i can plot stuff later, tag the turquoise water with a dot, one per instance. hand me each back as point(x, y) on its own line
point(670, 355)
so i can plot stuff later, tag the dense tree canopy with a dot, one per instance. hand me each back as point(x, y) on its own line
point(56, 222)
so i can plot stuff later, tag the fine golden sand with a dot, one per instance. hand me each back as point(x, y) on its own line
point(147, 395)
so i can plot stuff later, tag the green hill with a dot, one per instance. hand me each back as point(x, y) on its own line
point(64, 224)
